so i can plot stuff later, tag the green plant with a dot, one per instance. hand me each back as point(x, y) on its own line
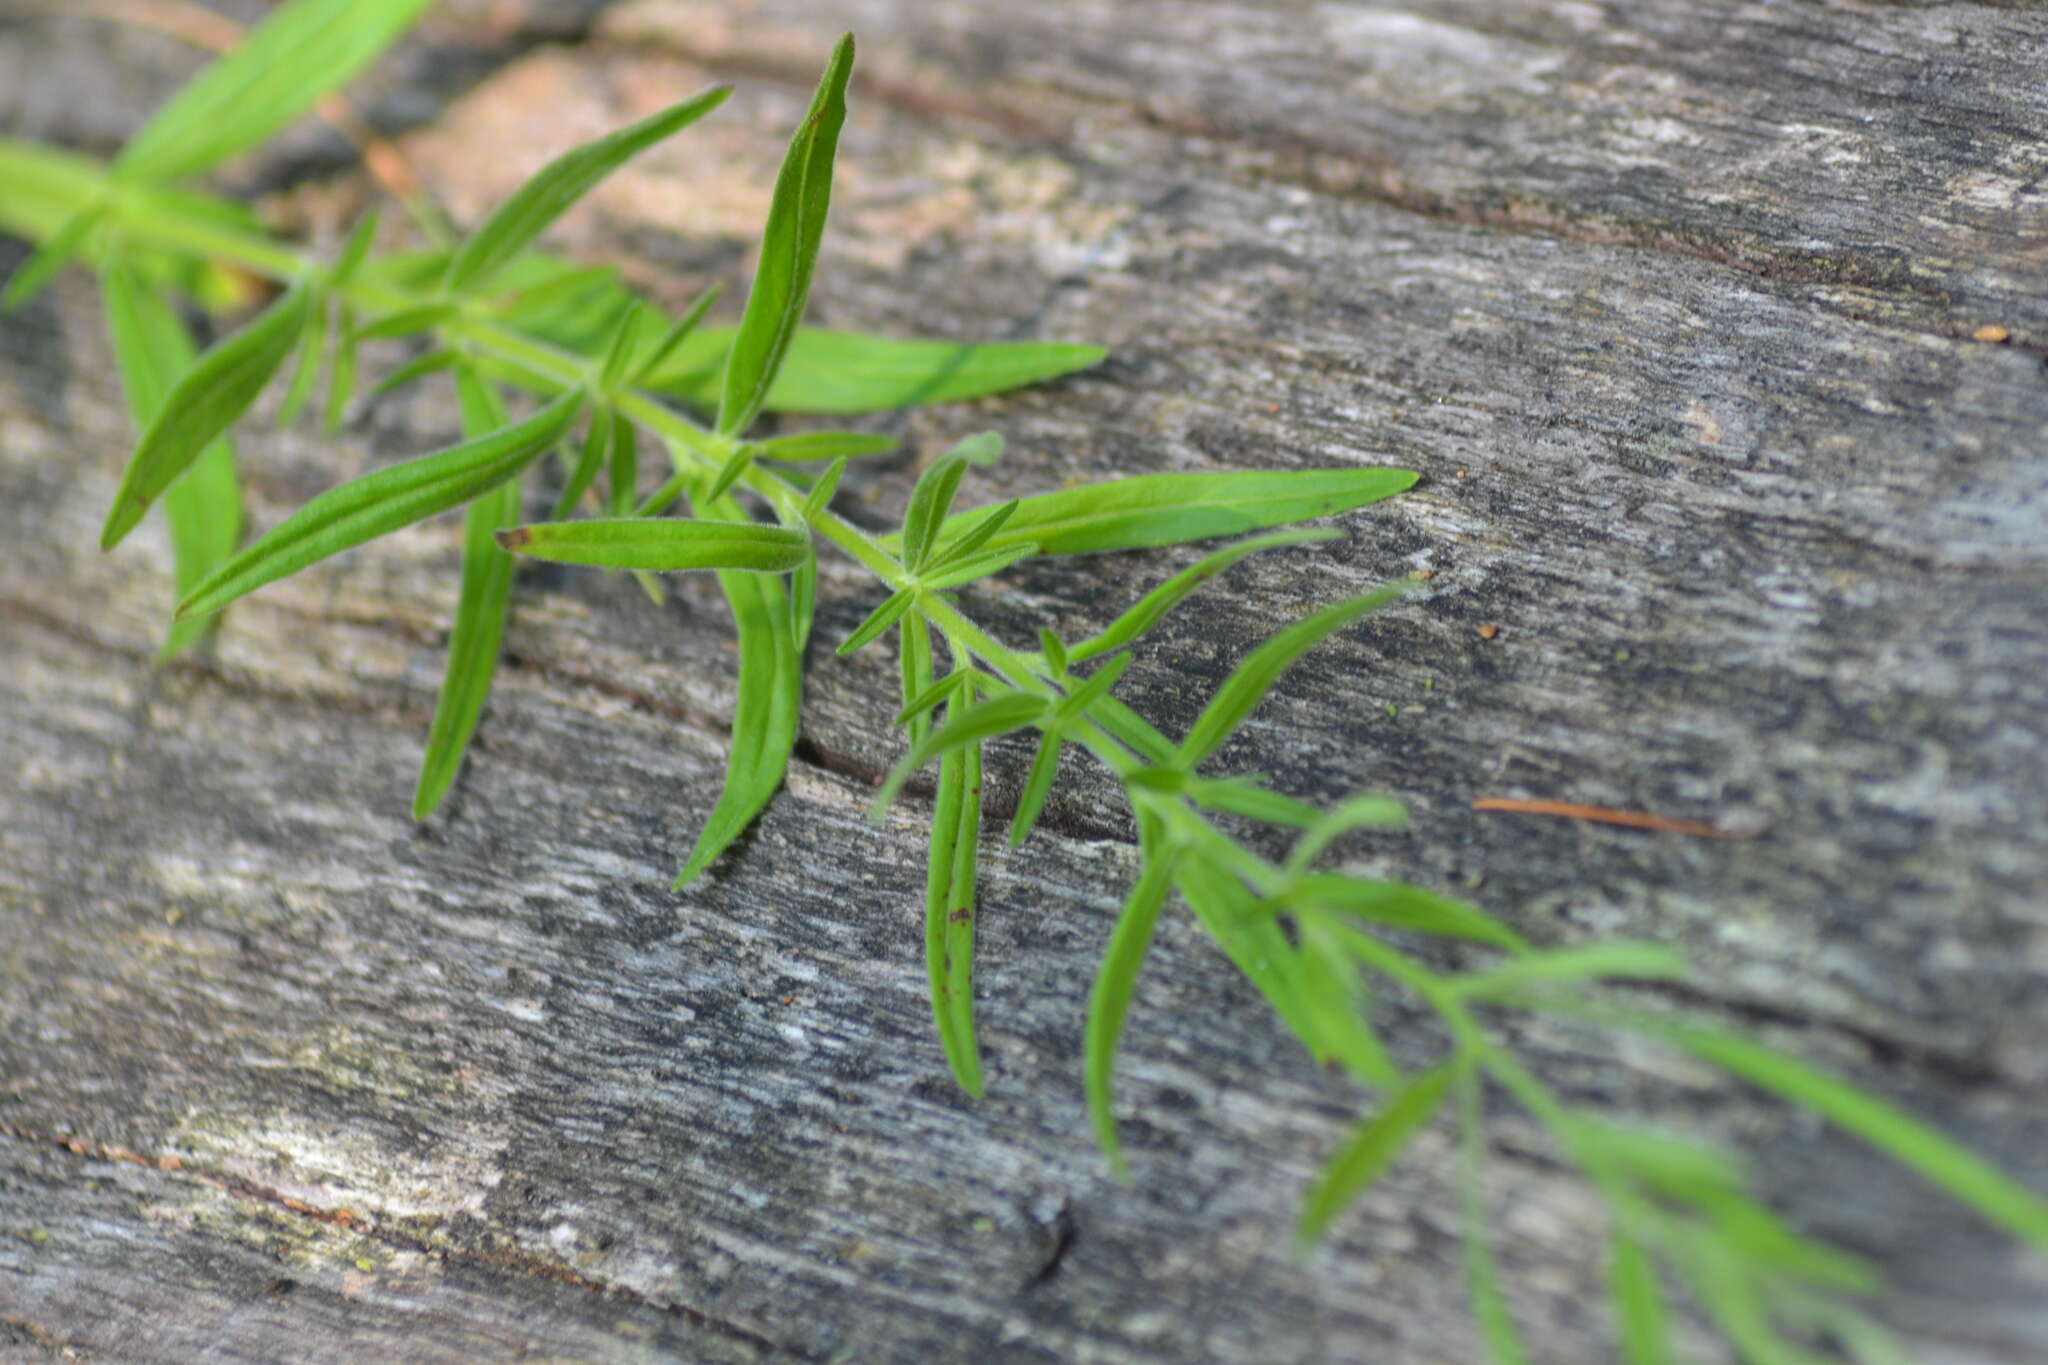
point(503, 316)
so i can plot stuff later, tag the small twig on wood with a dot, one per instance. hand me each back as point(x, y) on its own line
point(1607, 815)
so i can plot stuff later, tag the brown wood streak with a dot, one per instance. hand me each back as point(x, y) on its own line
point(1714, 331)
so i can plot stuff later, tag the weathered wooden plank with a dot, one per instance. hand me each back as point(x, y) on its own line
point(1676, 331)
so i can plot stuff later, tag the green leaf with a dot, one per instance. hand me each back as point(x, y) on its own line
point(820, 496)
point(1503, 1342)
point(1570, 966)
point(480, 611)
point(840, 373)
point(766, 716)
point(1109, 1000)
point(932, 496)
point(558, 185)
point(789, 250)
point(1154, 605)
point(1641, 1321)
point(278, 71)
point(1056, 657)
point(417, 368)
point(1397, 905)
point(355, 250)
point(1248, 684)
point(1170, 509)
point(978, 534)
point(879, 620)
point(914, 665)
point(206, 401)
point(931, 696)
point(405, 321)
point(622, 464)
point(981, 566)
point(1965, 1176)
point(51, 256)
point(824, 445)
point(738, 463)
point(1238, 796)
point(341, 379)
point(677, 330)
point(611, 371)
point(312, 347)
point(584, 474)
point(662, 544)
point(1359, 812)
point(566, 286)
point(204, 508)
point(949, 910)
point(384, 501)
point(1254, 941)
point(984, 720)
point(1374, 1147)
point(1128, 727)
point(1335, 999)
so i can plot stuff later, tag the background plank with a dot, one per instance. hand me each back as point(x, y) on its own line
point(1673, 306)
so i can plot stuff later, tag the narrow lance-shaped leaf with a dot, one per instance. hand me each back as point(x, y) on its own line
point(662, 544)
point(1397, 905)
point(558, 185)
point(52, 255)
point(949, 910)
point(1573, 966)
point(284, 64)
point(354, 251)
point(679, 329)
point(384, 501)
point(1045, 763)
point(1334, 995)
point(915, 667)
point(932, 496)
point(736, 464)
point(480, 611)
point(1965, 1176)
point(204, 507)
point(983, 720)
point(880, 619)
point(341, 377)
point(1249, 682)
point(595, 443)
point(1253, 941)
point(306, 373)
point(841, 373)
point(1641, 1323)
point(205, 402)
point(1375, 1146)
point(820, 496)
point(789, 250)
point(1109, 1000)
point(1172, 509)
point(961, 571)
point(824, 445)
point(622, 463)
point(1357, 812)
point(766, 715)
point(1153, 606)
point(565, 286)
point(1482, 1279)
point(418, 367)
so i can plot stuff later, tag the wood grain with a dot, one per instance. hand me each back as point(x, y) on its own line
point(1672, 305)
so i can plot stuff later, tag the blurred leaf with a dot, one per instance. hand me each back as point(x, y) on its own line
point(1503, 1342)
point(1358, 812)
point(1397, 905)
point(279, 70)
point(1964, 1175)
point(971, 725)
point(824, 445)
point(558, 185)
point(55, 251)
point(1373, 1147)
point(1571, 966)
point(1640, 1319)
point(152, 350)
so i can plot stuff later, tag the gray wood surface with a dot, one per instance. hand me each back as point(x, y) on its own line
point(1674, 306)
